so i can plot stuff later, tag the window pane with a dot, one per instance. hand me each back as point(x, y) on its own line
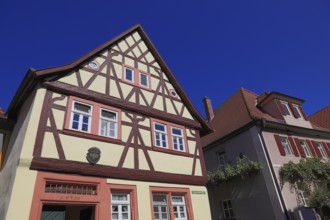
point(85, 119)
point(177, 199)
point(177, 131)
point(115, 216)
point(143, 79)
point(85, 127)
point(159, 198)
point(129, 74)
point(160, 127)
point(82, 108)
point(109, 115)
point(75, 125)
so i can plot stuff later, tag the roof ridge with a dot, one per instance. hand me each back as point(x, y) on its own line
point(245, 102)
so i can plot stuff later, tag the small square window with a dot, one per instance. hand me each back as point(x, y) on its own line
point(129, 74)
point(144, 81)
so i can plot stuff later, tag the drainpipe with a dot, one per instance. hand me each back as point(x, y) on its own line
point(277, 186)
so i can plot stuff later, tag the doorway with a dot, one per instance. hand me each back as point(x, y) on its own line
point(68, 212)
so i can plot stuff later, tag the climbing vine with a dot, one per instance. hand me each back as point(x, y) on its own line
point(312, 176)
point(244, 167)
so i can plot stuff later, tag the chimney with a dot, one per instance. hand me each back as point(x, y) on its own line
point(208, 109)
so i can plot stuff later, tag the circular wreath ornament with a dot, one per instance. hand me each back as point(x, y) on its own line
point(93, 155)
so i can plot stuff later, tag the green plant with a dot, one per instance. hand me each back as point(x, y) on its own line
point(243, 168)
point(312, 176)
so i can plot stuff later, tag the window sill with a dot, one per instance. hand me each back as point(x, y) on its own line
point(169, 151)
point(91, 136)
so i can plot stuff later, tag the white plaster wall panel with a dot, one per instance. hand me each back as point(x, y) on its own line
point(300, 122)
point(191, 146)
point(70, 78)
point(99, 60)
point(104, 70)
point(178, 105)
point(149, 57)
point(146, 136)
point(129, 40)
point(153, 71)
point(118, 69)
point(118, 58)
point(136, 36)
point(146, 122)
point(198, 169)
point(136, 52)
point(129, 61)
point(190, 132)
point(141, 101)
point(156, 65)
point(48, 122)
point(59, 118)
point(126, 89)
point(131, 54)
point(159, 103)
point(125, 118)
point(123, 46)
point(29, 139)
point(186, 114)
point(115, 47)
point(60, 102)
point(143, 164)
point(154, 83)
point(49, 149)
point(129, 159)
point(85, 76)
point(76, 148)
point(164, 75)
point(143, 46)
point(132, 99)
point(148, 95)
point(169, 107)
point(142, 67)
point(114, 89)
point(171, 163)
point(200, 203)
point(125, 131)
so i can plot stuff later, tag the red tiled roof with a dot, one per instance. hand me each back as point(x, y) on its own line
point(235, 112)
point(321, 118)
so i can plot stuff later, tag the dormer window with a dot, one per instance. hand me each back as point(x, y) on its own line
point(286, 108)
point(296, 111)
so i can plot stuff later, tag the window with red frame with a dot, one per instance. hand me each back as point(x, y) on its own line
point(166, 205)
point(168, 136)
point(93, 118)
point(136, 77)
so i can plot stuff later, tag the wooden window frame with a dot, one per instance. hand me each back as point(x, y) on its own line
point(80, 123)
point(170, 192)
point(132, 192)
point(94, 132)
point(170, 145)
point(286, 108)
point(109, 121)
point(136, 77)
point(228, 209)
point(291, 153)
point(321, 148)
point(305, 147)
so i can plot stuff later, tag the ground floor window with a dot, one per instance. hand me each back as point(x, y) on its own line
point(227, 208)
point(120, 206)
point(62, 212)
point(171, 204)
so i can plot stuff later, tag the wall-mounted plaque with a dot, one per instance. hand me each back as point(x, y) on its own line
point(93, 155)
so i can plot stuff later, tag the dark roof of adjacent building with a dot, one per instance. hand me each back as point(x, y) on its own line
point(321, 118)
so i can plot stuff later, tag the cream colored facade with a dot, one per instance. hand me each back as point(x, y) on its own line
point(127, 78)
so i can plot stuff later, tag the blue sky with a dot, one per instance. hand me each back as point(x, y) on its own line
point(212, 47)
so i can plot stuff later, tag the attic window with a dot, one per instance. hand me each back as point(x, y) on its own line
point(173, 93)
point(93, 65)
point(285, 107)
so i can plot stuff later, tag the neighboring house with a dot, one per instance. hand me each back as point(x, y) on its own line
point(273, 129)
point(111, 135)
point(321, 119)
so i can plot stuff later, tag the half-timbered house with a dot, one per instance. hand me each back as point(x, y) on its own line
point(111, 135)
